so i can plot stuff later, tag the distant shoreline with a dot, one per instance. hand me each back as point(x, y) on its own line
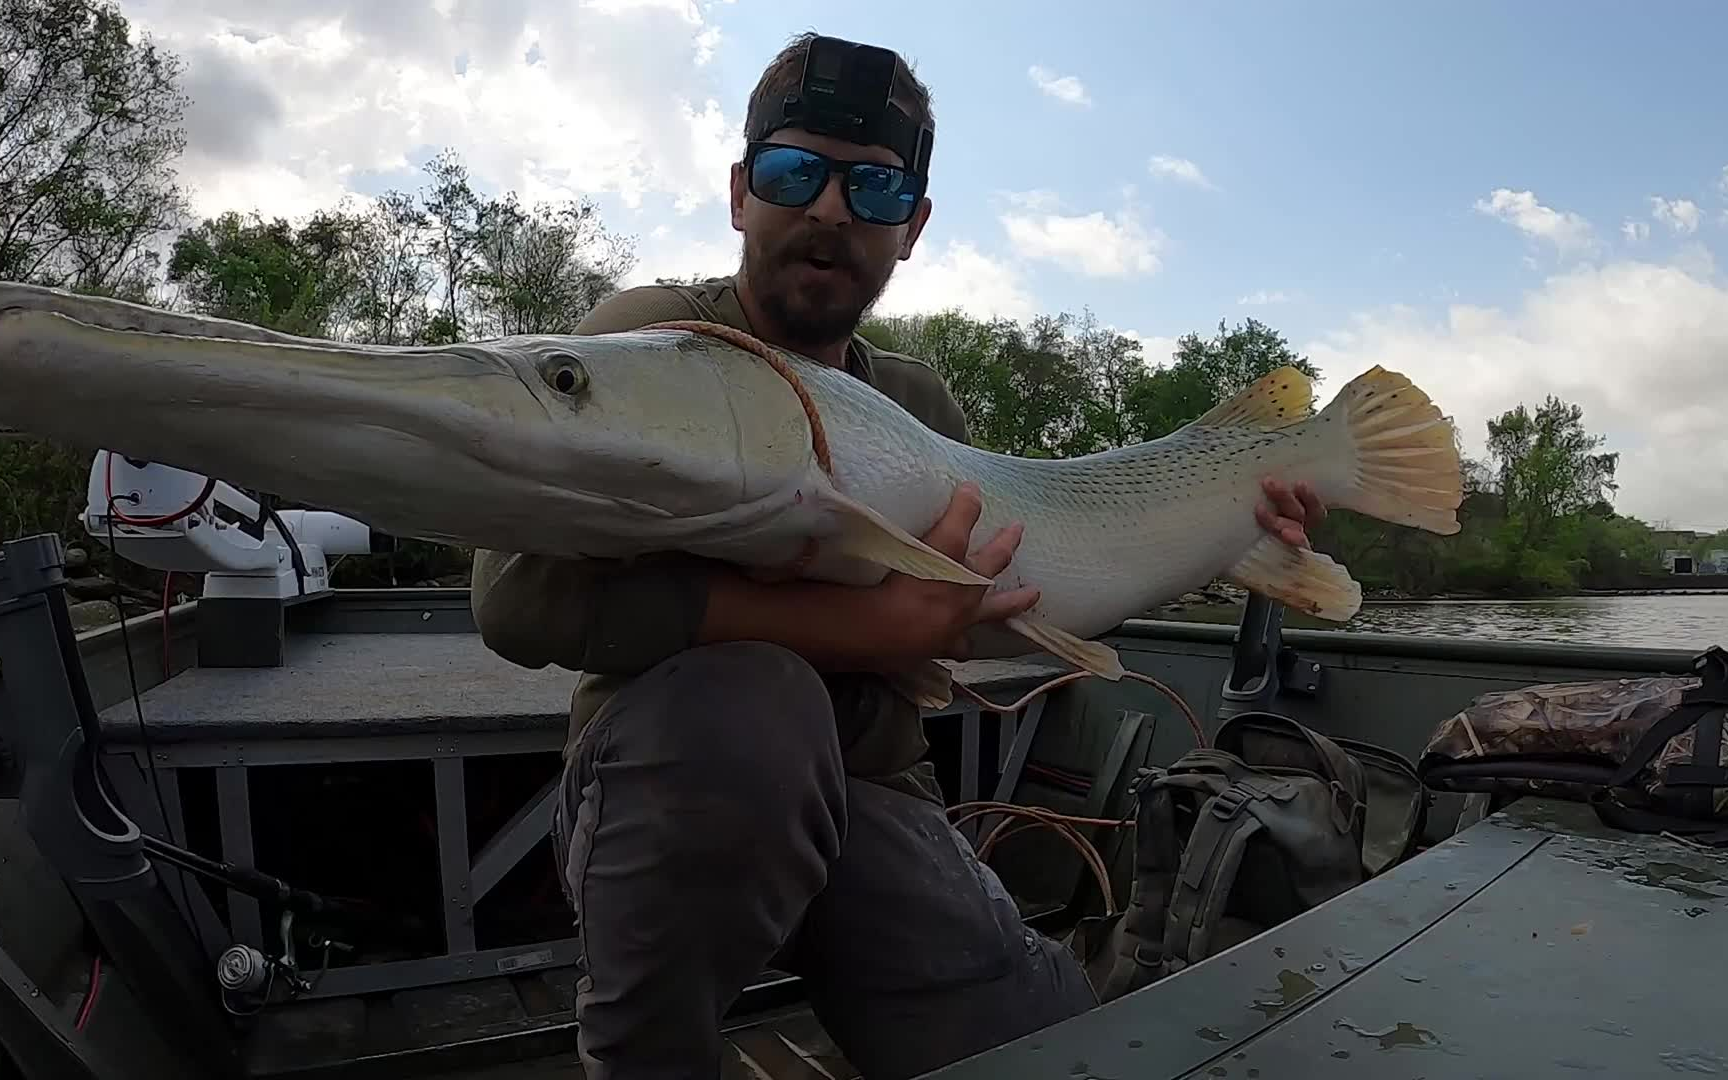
point(1581, 594)
point(1217, 598)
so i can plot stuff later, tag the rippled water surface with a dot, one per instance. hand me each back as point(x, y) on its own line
point(1692, 622)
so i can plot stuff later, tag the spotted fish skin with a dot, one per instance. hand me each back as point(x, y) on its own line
point(624, 445)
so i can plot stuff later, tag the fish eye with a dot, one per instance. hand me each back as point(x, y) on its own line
point(565, 374)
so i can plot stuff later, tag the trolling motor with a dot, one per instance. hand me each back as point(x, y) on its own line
point(170, 519)
point(256, 559)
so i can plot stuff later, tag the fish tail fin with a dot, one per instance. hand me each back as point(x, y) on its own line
point(1300, 578)
point(1406, 465)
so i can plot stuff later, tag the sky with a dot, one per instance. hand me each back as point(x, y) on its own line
point(1502, 201)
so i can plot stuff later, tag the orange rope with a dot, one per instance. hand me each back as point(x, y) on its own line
point(731, 335)
point(1073, 676)
point(1037, 817)
point(1034, 817)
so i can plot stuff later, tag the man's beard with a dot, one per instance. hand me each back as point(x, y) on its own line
point(813, 313)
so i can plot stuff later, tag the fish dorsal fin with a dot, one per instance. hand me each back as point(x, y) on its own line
point(1277, 399)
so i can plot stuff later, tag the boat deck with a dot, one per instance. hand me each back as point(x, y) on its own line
point(1537, 943)
point(415, 702)
point(390, 712)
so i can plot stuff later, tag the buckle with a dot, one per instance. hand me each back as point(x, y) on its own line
point(1229, 802)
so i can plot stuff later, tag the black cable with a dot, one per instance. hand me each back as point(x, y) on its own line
point(143, 728)
point(294, 555)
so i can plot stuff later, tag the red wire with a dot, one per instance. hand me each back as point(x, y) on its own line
point(167, 652)
point(152, 522)
point(90, 997)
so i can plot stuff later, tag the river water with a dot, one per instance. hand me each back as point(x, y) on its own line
point(1672, 621)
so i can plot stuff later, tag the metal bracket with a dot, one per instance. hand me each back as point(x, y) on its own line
point(71, 815)
point(1261, 666)
point(1705, 770)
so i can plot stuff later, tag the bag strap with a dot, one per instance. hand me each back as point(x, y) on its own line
point(1207, 875)
point(1329, 760)
point(1139, 954)
point(1616, 814)
point(1693, 784)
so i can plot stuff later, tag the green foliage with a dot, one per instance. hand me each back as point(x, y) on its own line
point(1206, 372)
point(1535, 519)
point(270, 273)
point(89, 128)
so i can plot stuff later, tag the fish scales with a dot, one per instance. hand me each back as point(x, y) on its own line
point(626, 444)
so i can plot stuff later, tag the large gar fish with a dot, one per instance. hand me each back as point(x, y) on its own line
point(673, 439)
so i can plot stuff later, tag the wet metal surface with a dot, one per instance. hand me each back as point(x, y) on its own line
point(1560, 949)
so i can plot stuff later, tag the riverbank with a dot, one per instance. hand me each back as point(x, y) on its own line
point(1225, 595)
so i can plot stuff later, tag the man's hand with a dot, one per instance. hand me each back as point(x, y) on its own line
point(885, 627)
point(910, 619)
point(1289, 513)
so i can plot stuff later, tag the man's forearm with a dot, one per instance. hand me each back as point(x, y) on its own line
point(831, 626)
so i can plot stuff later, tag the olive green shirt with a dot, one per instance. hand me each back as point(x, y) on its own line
point(612, 621)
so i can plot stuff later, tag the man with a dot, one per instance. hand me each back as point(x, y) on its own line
point(742, 791)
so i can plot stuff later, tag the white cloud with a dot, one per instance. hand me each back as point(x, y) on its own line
point(1263, 298)
point(1568, 232)
point(1638, 345)
point(1177, 168)
point(1067, 89)
point(1154, 349)
point(1722, 181)
point(679, 251)
point(958, 276)
point(1635, 231)
point(1681, 215)
point(1092, 244)
point(294, 102)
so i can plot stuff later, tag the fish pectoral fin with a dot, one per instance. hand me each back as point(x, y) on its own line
point(1299, 577)
point(865, 534)
point(1092, 656)
point(930, 684)
point(1278, 399)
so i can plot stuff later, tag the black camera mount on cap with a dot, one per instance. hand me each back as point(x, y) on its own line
point(847, 92)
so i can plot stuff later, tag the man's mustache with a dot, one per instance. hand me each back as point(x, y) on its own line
point(826, 247)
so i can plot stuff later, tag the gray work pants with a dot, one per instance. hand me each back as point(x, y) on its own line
point(708, 831)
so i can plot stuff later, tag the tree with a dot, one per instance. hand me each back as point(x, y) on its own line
point(391, 273)
point(271, 273)
point(540, 271)
point(1115, 372)
point(1206, 372)
point(89, 128)
point(453, 212)
point(1548, 467)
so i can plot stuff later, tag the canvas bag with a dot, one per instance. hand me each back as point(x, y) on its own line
point(1232, 840)
point(1646, 753)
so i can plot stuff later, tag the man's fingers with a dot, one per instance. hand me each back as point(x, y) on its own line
point(1284, 502)
point(1315, 509)
point(1007, 604)
point(953, 530)
point(994, 557)
point(1285, 529)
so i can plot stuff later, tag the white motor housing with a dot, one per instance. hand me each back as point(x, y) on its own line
point(167, 518)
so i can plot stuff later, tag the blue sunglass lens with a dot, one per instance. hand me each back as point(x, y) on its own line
point(881, 193)
point(788, 176)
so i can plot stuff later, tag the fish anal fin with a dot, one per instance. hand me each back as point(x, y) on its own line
point(1301, 578)
point(930, 684)
point(864, 534)
point(1092, 656)
point(1275, 400)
